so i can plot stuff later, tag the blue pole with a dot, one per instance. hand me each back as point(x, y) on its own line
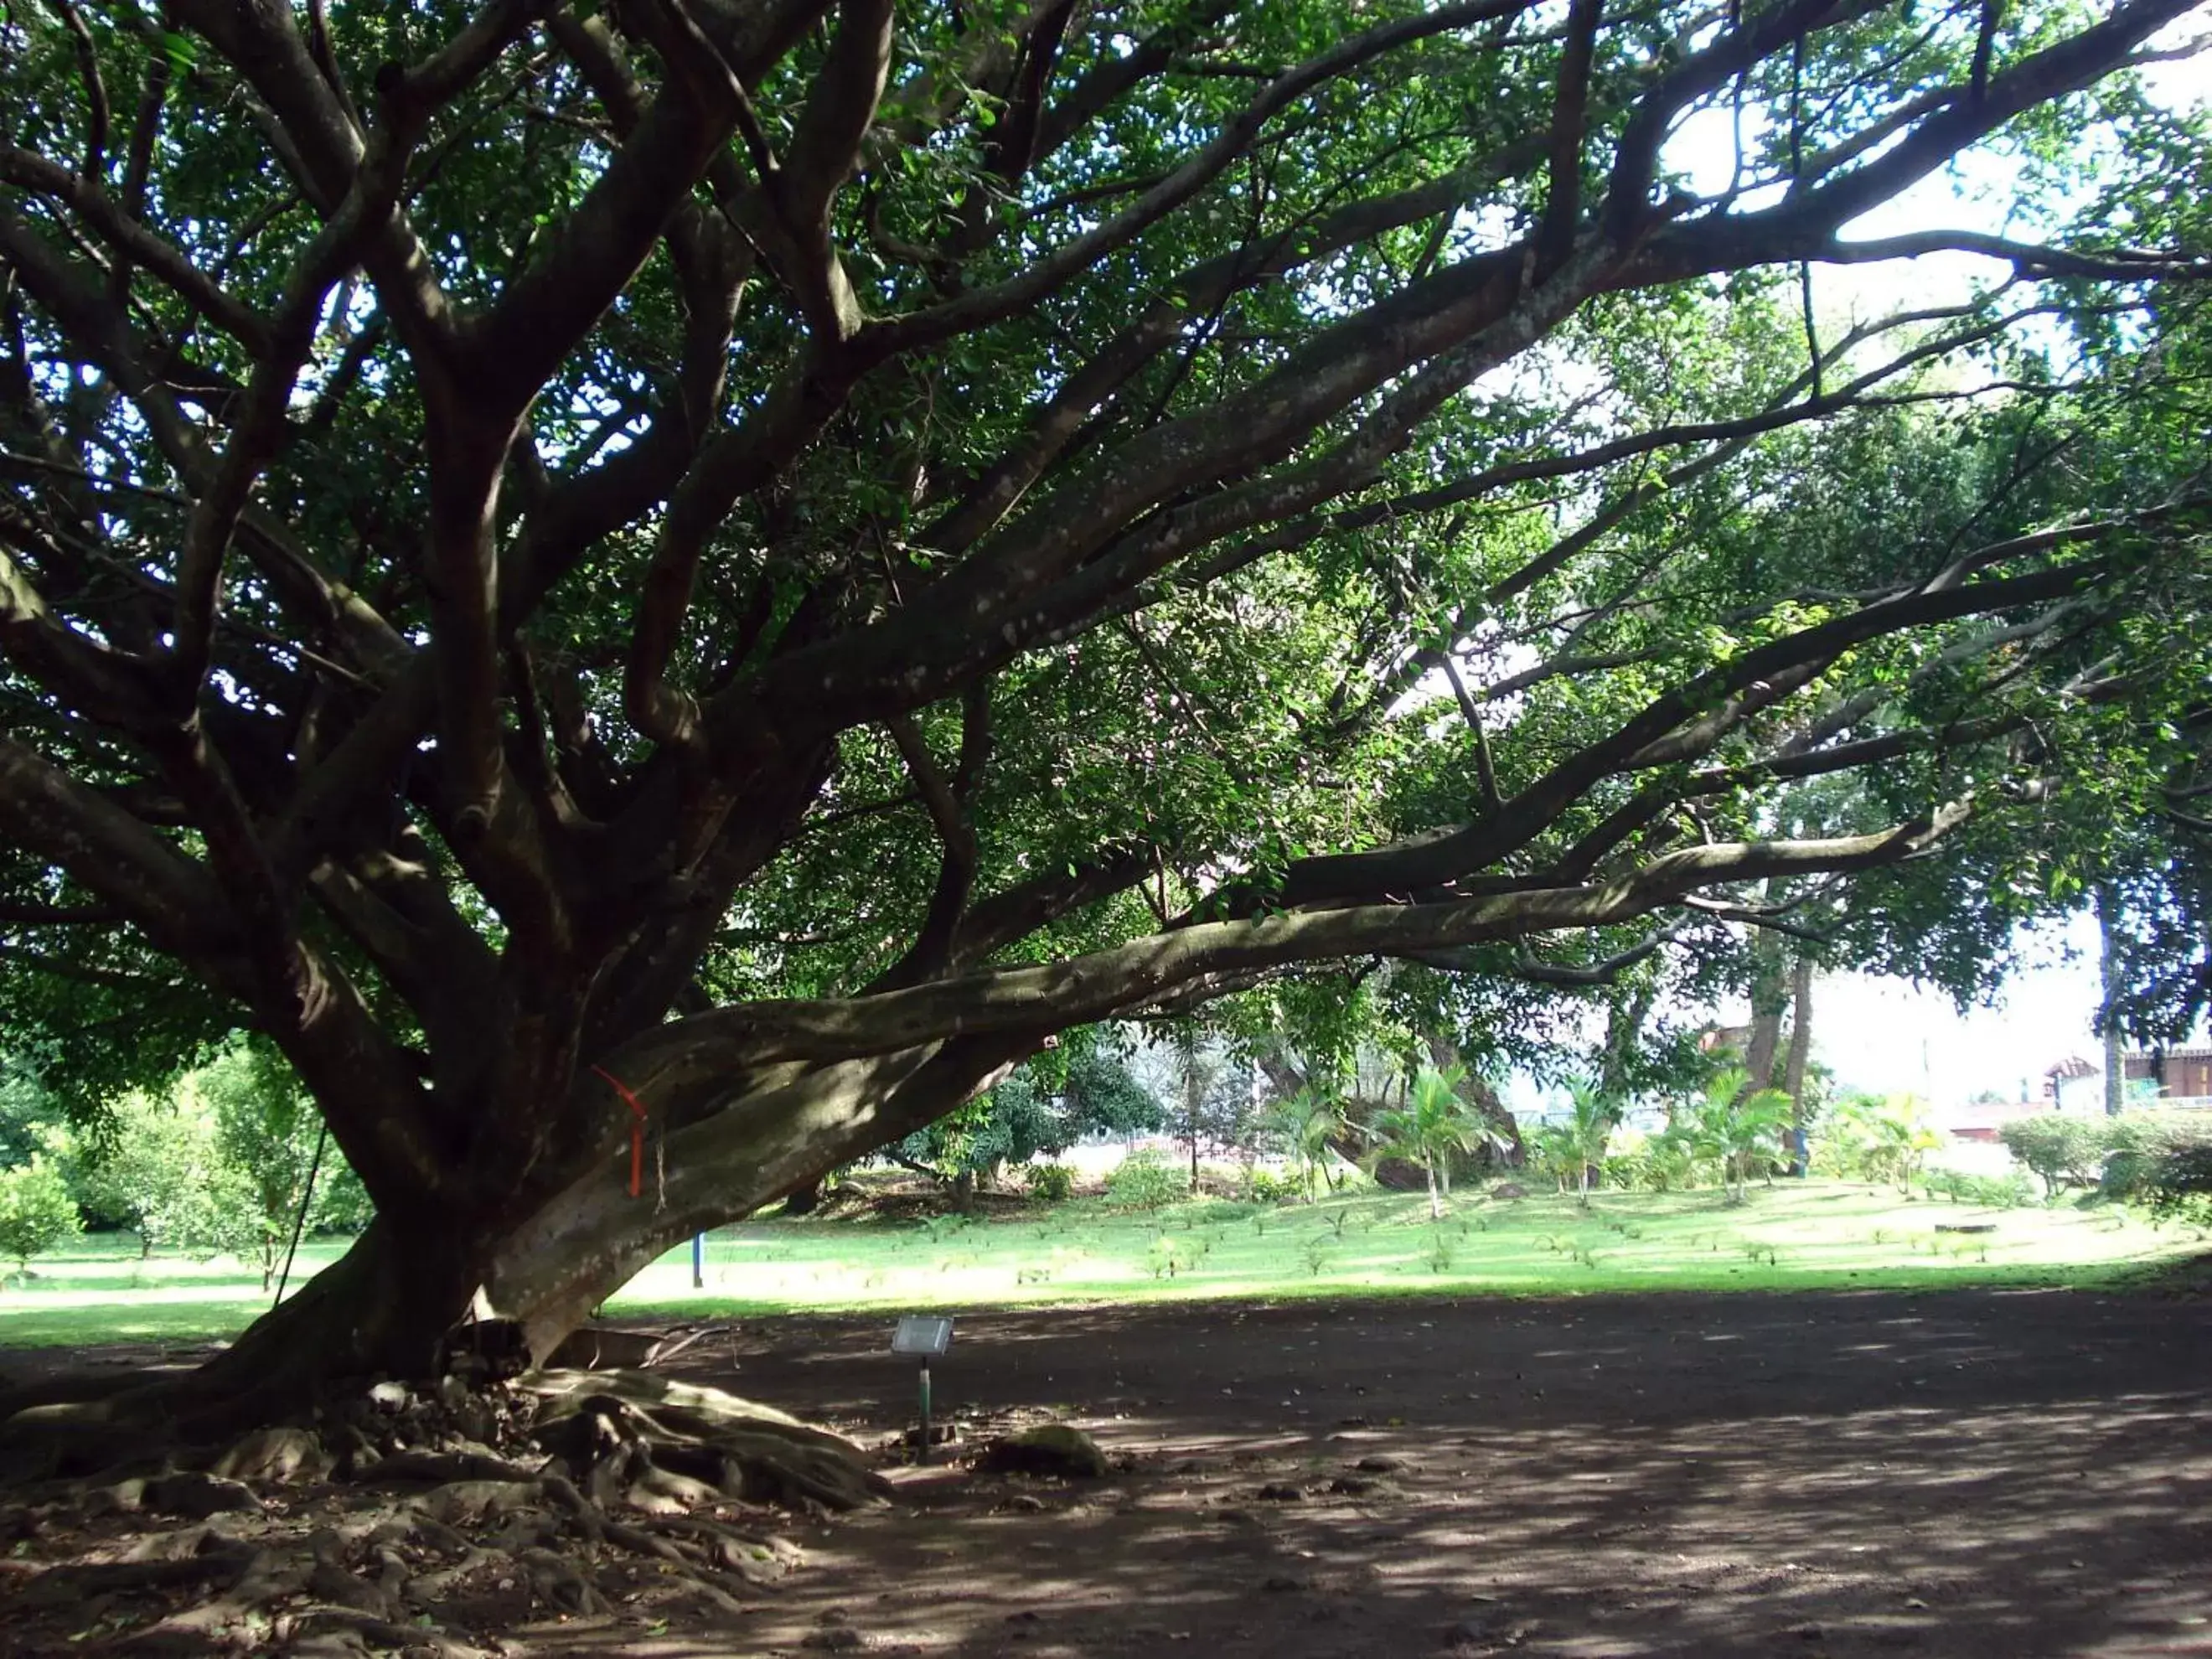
point(698, 1261)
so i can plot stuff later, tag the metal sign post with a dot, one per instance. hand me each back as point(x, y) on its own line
point(926, 1336)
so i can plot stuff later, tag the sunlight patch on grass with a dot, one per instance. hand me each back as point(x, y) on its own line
point(1792, 1236)
point(100, 1289)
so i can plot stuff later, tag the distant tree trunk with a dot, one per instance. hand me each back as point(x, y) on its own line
point(2115, 1066)
point(1801, 1052)
point(1284, 1074)
point(1623, 1029)
point(803, 1200)
point(1769, 995)
point(1194, 1101)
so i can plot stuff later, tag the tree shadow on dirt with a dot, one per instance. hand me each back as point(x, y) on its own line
point(1956, 1473)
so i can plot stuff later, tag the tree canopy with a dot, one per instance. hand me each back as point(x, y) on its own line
point(730, 570)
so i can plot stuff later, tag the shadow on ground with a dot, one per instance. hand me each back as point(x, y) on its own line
point(1982, 1474)
point(1969, 1473)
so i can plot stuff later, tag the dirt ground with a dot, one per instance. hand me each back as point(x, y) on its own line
point(1951, 1473)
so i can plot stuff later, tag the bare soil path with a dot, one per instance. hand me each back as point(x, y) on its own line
point(1955, 1473)
point(1973, 1473)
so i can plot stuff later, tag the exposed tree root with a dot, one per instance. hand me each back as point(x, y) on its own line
point(407, 1518)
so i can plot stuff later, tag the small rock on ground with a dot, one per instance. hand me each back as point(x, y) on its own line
point(196, 1497)
point(1048, 1448)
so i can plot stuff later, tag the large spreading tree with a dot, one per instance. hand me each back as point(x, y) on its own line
point(708, 575)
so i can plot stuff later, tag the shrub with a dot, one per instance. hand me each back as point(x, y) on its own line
point(1213, 1211)
point(1146, 1181)
point(2137, 1143)
point(2181, 1183)
point(1050, 1183)
point(1650, 1163)
point(2060, 1149)
point(36, 1211)
point(2005, 1191)
point(1631, 1172)
point(2159, 1158)
point(1267, 1188)
point(1876, 1138)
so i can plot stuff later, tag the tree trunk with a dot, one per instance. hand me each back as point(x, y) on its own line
point(382, 1308)
point(2108, 1025)
point(1435, 1204)
point(1624, 1030)
point(1769, 996)
point(1799, 1054)
point(1194, 1100)
point(379, 1309)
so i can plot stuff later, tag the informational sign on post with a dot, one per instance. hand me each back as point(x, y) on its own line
point(927, 1337)
point(926, 1334)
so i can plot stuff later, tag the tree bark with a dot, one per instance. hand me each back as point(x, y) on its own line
point(1193, 1102)
point(1623, 1029)
point(2108, 1025)
point(1768, 998)
point(382, 1308)
point(1799, 1054)
point(379, 1309)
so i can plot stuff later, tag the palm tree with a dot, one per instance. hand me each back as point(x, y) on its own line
point(1899, 1138)
point(1309, 1123)
point(1432, 1125)
point(1737, 1125)
point(1552, 1150)
point(1590, 1131)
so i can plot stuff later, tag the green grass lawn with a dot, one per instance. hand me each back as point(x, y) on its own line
point(1794, 1236)
point(98, 1290)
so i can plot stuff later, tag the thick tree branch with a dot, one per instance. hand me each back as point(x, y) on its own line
point(1045, 275)
point(131, 240)
point(1440, 859)
point(1099, 985)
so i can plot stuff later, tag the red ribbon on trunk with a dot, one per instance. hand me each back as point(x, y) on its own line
point(637, 1131)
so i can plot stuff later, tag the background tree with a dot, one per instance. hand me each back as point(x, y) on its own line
point(1083, 1088)
point(158, 1171)
point(782, 555)
point(1209, 1104)
point(37, 1211)
point(27, 1111)
point(272, 1159)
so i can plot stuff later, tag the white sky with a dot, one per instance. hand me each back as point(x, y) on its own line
point(1889, 1036)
